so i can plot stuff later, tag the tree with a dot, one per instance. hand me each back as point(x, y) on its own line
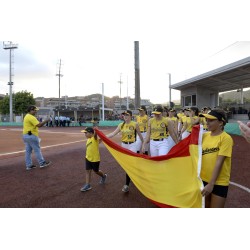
point(131, 106)
point(21, 101)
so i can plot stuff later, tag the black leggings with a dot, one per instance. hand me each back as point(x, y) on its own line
point(127, 180)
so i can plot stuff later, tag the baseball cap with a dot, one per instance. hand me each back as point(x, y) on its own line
point(142, 108)
point(32, 107)
point(158, 110)
point(172, 110)
point(88, 130)
point(214, 115)
point(128, 112)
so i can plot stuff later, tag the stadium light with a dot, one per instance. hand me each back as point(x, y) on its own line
point(10, 46)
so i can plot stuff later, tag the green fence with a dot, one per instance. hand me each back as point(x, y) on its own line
point(72, 124)
point(230, 128)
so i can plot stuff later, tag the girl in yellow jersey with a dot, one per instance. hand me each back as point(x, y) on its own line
point(92, 158)
point(216, 159)
point(128, 130)
point(203, 121)
point(142, 120)
point(180, 114)
point(186, 127)
point(173, 117)
point(181, 122)
point(158, 128)
point(191, 120)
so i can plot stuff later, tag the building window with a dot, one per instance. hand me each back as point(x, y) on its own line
point(189, 100)
point(193, 100)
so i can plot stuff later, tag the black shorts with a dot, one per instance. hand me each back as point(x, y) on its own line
point(92, 165)
point(219, 190)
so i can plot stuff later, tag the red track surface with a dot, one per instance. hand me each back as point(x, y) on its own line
point(59, 184)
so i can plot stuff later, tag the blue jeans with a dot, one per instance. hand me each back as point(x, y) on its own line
point(32, 142)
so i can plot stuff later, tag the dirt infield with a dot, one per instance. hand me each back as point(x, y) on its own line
point(59, 185)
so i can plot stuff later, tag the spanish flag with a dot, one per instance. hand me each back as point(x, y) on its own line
point(171, 180)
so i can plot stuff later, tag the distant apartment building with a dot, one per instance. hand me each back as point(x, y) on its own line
point(86, 107)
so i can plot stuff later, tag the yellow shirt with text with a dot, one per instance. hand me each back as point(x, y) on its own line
point(159, 128)
point(142, 122)
point(212, 147)
point(128, 131)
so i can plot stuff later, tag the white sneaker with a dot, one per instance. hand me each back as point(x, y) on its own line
point(125, 188)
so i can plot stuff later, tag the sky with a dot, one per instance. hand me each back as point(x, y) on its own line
point(95, 42)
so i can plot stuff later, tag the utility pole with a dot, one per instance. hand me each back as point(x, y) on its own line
point(169, 85)
point(137, 75)
point(127, 94)
point(10, 46)
point(120, 91)
point(59, 80)
point(103, 117)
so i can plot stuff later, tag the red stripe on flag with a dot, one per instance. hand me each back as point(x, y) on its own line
point(179, 150)
point(161, 205)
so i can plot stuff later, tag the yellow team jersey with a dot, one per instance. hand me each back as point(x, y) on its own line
point(183, 119)
point(29, 124)
point(128, 131)
point(195, 118)
point(212, 146)
point(174, 119)
point(189, 124)
point(180, 115)
point(142, 122)
point(92, 150)
point(203, 122)
point(175, 123)
point(158, 128)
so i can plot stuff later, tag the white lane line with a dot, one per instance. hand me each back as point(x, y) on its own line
point(51, 146)
point(53, 132)
point(48, 131)
point(12, 153)
point(240, 186)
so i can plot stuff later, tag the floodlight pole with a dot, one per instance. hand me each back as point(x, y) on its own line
point(10, 46)
point(59, 80)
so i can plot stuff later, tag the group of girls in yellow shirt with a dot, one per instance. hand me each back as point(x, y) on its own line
point(158, 134)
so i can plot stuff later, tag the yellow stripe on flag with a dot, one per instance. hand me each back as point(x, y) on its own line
point(166, 180)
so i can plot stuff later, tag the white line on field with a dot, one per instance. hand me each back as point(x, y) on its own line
point(51, 146)
point(240, 186)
